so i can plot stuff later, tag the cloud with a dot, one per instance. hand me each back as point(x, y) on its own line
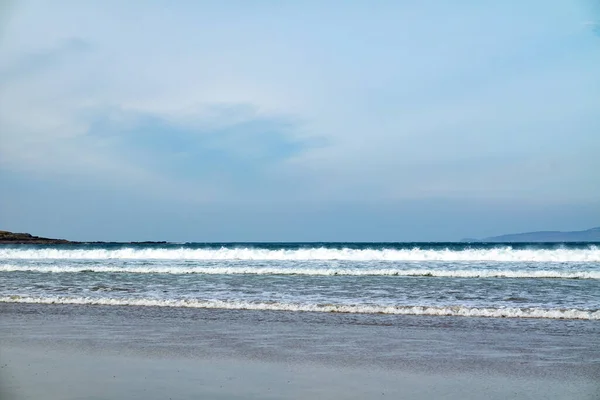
point(594, 26)
point(27, 64)
point(225, 155)
point(233, 149)
point(6, 11)
point(57, 124)
point(223, 100)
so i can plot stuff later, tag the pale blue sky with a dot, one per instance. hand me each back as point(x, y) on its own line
point(305, 120)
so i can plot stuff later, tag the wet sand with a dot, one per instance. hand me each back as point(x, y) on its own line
point(67, 352)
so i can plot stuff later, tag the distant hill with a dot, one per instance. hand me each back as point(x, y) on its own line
point(25, 238)
point(590, 235)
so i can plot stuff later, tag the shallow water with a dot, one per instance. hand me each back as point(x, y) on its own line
point(554, 281)
point(101, 352)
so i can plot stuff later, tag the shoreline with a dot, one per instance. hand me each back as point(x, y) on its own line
point(416, 310)
point(82, 352)
point(511, 347)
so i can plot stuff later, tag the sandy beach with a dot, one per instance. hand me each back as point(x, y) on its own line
point(79, 352)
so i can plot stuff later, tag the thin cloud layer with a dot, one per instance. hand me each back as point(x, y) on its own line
point(306, 103)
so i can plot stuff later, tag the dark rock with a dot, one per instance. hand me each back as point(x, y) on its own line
point(26, 238)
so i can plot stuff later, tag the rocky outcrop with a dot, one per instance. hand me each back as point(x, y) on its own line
point(25, 238)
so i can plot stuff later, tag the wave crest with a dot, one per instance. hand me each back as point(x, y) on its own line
point(460, 311)
point(316, 271)
point(500, 254)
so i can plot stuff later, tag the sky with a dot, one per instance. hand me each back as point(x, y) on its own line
point(298, 120)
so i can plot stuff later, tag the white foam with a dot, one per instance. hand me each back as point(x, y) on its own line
point(501, 254)
point(330, 308)
point(180, 270)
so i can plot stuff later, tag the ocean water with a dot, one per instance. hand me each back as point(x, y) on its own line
point(547, 281)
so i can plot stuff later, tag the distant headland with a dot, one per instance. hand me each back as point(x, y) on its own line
point(589, 235)
point(26, 238)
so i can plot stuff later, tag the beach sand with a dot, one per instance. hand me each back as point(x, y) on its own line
point(83, 352)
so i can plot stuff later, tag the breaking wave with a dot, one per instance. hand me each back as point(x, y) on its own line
point(531, 312)
point(500, 254)
point(316, 271)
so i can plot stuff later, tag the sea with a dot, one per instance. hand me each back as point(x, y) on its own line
point(476, 280)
